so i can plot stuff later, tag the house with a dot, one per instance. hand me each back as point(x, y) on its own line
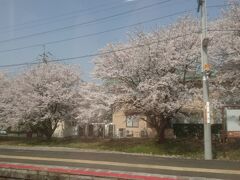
point(131, 125)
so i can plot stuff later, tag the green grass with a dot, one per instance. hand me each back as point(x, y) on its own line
point(188, 148)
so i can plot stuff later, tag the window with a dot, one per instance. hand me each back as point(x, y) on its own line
point(132, 121)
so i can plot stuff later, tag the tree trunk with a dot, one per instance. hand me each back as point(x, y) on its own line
point(47, 133)
point(160, 123)
point(48, 127)
point(161, 136)
point(160, 131)
point(48, 136)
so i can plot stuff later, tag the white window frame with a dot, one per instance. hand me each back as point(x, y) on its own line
point(132, 121)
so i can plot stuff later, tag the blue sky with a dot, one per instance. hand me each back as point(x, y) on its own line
point(25, 17)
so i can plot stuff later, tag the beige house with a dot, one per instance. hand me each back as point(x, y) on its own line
point(131, 125)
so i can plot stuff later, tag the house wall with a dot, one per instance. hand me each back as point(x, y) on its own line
point(65, 129)
point(119, 121)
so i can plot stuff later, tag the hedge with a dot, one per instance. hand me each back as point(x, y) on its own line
point(194, 130)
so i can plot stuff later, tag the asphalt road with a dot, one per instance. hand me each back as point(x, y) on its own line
point(122, 162)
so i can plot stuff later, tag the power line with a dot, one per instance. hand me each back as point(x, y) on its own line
point(72, 26)
point(219, 5)
point(109, 30)
point(98, 33)
point(101, 53)
point(80, 11)
point(66, 18)
point(86, 22)
point(58, 16)
point(106, 31)
point(91, 55)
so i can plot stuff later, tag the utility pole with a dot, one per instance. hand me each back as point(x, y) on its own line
point(205, 77)
point(44, 56)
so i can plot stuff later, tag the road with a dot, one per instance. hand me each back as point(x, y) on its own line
point(121, 162)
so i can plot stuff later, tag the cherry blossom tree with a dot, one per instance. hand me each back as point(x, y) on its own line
point(148, 73)
point(4, 85)
point(97, 104)
point(43, 96)
point(226, 53)
point(151, 73)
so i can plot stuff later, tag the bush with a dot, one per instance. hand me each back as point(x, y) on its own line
point(194, 130)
